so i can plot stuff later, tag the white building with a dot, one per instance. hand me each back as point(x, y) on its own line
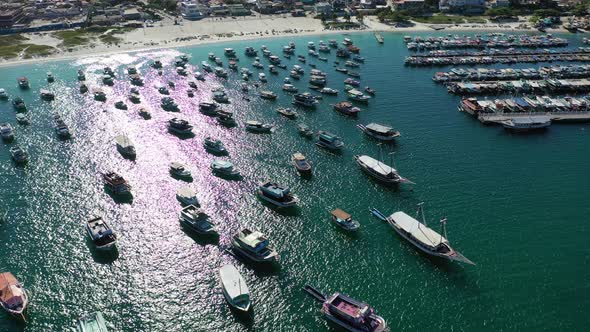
point(190, 10)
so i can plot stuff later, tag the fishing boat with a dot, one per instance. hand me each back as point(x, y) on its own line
point(267, 94)
point(329, 141)
point(254, 246)
point(214, 146)
point(180, 126)
point(258, 127)
point(226, 118)
point(290, 88)
point(19, 156)
point(302, 165)
point(208, 108)
point(101, 235)
point(304, 130)
point(116, 183)
point(423, 237)
point(234, 288)
point(346, 108)
point(305, 99)
point(92, 323)
point(121, 105)
point(344, 220)
point(13, 296)
point(329, 91)
point(380, 171)
point(224, 168)
point(356, 95)
point(81, 76)
point(61, 128)
point(187, 196)
point(19, 104)
point(6, 131)
point(528, 123)
point(23, 119)
point(380, 132)
point(197, 220)
point(23, 82)
point(287, 112)
point(125, 146)
point(144, 113)
point(46, 94)
point(277, 195)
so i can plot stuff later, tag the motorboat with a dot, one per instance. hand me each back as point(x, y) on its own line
point(226, 118)
point(304, 130)
point(19, 156)
point(346, 108)
point(13, 296)
point(23, 82)
point(344, 220)
point(181, 71)
point(267, 94)
point(108, 80)
point(358, 58)
point(317, 80)
point(287, 112)
point(131, 70)
point(134, 98)
point(197, 220)
point(214, 146)
point(46, 94)
point(262, 77)
point(218, 61)
point(81, 76)
point(163, 90)
point(301, 58)
point(294, 74)
point(224, 168)
point(292, 45)
point(329, 141)
point(206, 67)
point(234, 288)
point(144, 113)
point(116, 183)
point(277, 195)
point(354, 74)
point(229, 52)
point(220, 96)
point(157, 64)
point(23, 119)
point(232, 64)
point(199, 76)
point(288, 50)
point(6, 131)
point(305, 99)
point(168, 104)
point(180, 126)
point(125, 146)
point(351, 64)
point(272, 69)
point(258, 127)
point(379, 170)
point(101, 235)
point(179, 170)
point(83, 88)
point(50, 77)
point(370, 91)
point(527, 123)
point(246, 71)
point(380, 132)
point(321, 58)
point(302, 165)
point(311, 45)
point(121, 105)
point(19, 104)
point(190, 93)
point(91, 323)
point(275, 60)
point(3, 94)
point(341, 70)
point(255, 246)
point(290, 88)
point(208, 108)
point(298, 69)
point(250, 51)
point(352, 82)
point(356, 95)
point(329, 91)
point(211, 56)
point(220, 72)
point(61, 128)
point(187, 196)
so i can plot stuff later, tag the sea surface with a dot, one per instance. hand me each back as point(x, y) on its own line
point(517, 205)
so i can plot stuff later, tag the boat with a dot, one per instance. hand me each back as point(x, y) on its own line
point(341, 70)
point(358, 58)
point(254, 246)
point(329, 91)
point(23, 82)
point(125, 146)
point(199, 76)
point(352, 82)
point(206, 67)
point(304, 130)
point(81, 76)
point(317, 80)
point(220, 72)
point(157, 64)
point(329, 141)
point(180, 126)
point(218, 61)
point(46, 94)
point(101, 235)
point(19, 156)
point(250, 51)
point(294, 74)
point(197, 220)
point(108, 71)
point(346, 108)
point(258, 127)
point(266, 94)
point(181, 71)
point(83, 88)
point(108, 80)
point(144, 113)
point(187, 196)
point(380, 132)
point(211, 56)
point(208, 108)
point(354, 74)
point(342, 53)
point(369, 91)
point(290, 88)
point(190, 93)
point(229, 52)
point(380, 171)
point(302, 165)
point(220, 96)
point(287, 112)
point(226, 118)
point(356, 95)
point(121, 105)
point(272, 69)
point(298, 69)
point(292, 45)
point(61, 128)
point(116, 183)
point(224, 168)
point(351, 64)
point(311, 45)
point(262, 77)
point(277, 195)
point(19, 104)
point(214, 146)
point(179, 170)
point(168, 104)
point(233, 65)
point(134, 98)
point(423, 237)
point(131, 70)
point(305, 99)
point(332, 43)
point(99, 95)
point(92, 323)
point(301, 58)
point(23, 119)
point(6, 131)
point(163, 90)
point(347, 42)
point(528, 123)
point(13, 296)
point(321, 58)
point(246, 71)
point(234, 288)
point(344, 220)
point(3, 94)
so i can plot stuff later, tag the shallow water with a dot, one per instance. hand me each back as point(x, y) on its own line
point(516, 205)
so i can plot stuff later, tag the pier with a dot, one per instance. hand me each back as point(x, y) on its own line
point(444, 58)
point(485, 74)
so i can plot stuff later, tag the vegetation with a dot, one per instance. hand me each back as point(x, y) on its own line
point(37, 50)
point(72, 38)
point(502, 11)
point(440, 19)
point(169, 5)
point(16, 45)
point(79, 37)
point(341, 25)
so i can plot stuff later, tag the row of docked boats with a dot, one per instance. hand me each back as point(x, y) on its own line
point(554, 86)
point(485, 41)
point(520, 105)
point(501, 74)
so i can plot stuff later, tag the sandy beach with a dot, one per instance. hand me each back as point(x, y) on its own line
point(211, 30)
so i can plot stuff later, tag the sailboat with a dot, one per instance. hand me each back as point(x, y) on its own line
point(380, 171)
point(423, 237)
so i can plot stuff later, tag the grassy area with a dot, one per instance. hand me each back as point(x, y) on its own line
point(37, 50)
point(79, 37)
point(440, 19)
point(341, 25)
point(11, 46)
point(476, 19)
point(71, 38)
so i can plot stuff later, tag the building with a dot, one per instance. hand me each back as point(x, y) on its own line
point(497, 3)
point(468, 7)
point(323, 8)
point(264, 7)
point(408, 4)
point(190, 11)
point(10, 17)
point(131, 14)
point(238, 10)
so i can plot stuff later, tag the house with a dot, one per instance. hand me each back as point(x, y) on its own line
point(131, 14)
point(264, 7)
point(323, 8)
point(468, 7)
point(408, 4)
point(190, 10)
point(10, 17)
point(238, 10)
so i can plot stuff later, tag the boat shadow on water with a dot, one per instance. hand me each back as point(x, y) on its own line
point(200, 239)
point(119, 199)
point(187, 179)
point(259, 269)
point(244, 318)
point(102, 256)
point(182, 136)
point(294, 211)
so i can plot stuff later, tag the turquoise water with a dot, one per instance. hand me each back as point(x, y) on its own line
point(516, 205)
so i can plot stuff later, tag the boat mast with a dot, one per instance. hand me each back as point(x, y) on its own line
point(421, 210)
point(443, 223)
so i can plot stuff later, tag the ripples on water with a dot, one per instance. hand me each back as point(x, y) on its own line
point(494, 187)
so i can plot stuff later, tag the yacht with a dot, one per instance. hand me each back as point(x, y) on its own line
point(181, 71)
point(197, 220)
point(187, 196)
point(13, 297)
point(224, 168)
point(311, 45)
point(528, 123)
point(266, 94)
point(294, 74)
point(179, 170)
point(317, 80)
point(329, 141)
point(19, 104)
point(287, 112)
point(380, 171)
point(116, 183)
point(304, 130)
point(277, 195)
point(344, 220)
point(92, 323)
point(61, 128)
point(199, 76)
point(290, 88)
point(23, 119)
point(234, 288)
point(180, 126)
point(168, 104)
point(208, 108)
point(214, 146)
point(258, 127)
point(23, 82)
point(220, 72)
point(305, 99)
point(380, 132)
point(101, 235)
point(329, 91)
point(125, 146)
point(254, 246)
point(19, 156)
point(346, 108)
point(302, 165)
point(6, 131)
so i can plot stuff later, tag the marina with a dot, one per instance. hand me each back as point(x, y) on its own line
point(485, 74)
point(553, 86)
point(492, 40)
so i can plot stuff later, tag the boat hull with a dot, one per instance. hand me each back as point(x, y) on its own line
point(278, 204)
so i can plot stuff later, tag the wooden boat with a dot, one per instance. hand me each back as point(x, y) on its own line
point(13, 297)
point(380, 132)
point(101, 234)
point(380, 171)
point(234, 288)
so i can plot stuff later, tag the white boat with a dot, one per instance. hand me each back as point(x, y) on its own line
point(6, 131)
point(187, 196)
point(258, 127)
point(125, 146)
point(380, 132)
point(290, 88)
point(262, 77)
point(199, 76)
point(329, 141)
point(179, 170)
point(179, 126)
point(144, 113)
point(527, 123)
point(287, 112)
point(267, 94)
point(46, 94)
point(254, 246)
point(13, 297)
point(3, 94)
point(19, 155)
point(380, 171)
point(92, 323)
point(214, 146)
point(234, 288)
point(224, 168)
point(220, 72)
point(197, 220)
point(329, 91)
point(277, 195)
point(101, 234)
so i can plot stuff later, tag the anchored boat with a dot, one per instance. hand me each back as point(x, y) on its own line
point(344, 220)
point(92, 323)
point(197, 220)
point(277, 195)
point(380, 132)
point(254, 246)
point(13, 297)
point(234, 288)
point(101, 234)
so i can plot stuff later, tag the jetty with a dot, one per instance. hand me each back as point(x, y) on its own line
point(485, 74)
point(486, 41)
point(553, 86)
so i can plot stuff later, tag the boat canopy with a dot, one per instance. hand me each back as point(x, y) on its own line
point(340, 214)
point(255, 240)
point(381, 129)
point(10, 291)
point(531, 119)
point(377, 166)
point(418, 230)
